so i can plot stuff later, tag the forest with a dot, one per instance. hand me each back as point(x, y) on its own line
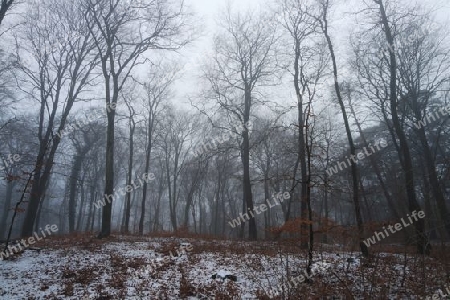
point(148, 151)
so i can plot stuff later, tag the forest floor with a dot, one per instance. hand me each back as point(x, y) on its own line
point(131, 267)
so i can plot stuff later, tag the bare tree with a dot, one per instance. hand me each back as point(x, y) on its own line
point(347, 90)
point(123, 31)
point(323, 20)
point(423, 246)
point(423, 66)
point(83, 141)
point(132, 129)
point(245, 59)
point(308, 66)
point(175, 147)
point(61, 49)
point(157, 90)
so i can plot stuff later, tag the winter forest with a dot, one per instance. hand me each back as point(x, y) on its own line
point(200, 149)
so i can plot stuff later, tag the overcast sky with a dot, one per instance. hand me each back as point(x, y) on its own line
point(208, 11)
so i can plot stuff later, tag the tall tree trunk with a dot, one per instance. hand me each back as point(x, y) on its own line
point(158, 202)
point(215, 218)
point(429, 209)
point(241, 232)
point(76, 169)
point(308, 198)
point(189, 200)
point(196, 178)
point(245, 157)
point(45, 159)
point(172, 185)
point(325, 181)
point(354, 169)
point(81, 209)
point(41, 205)
point(267, 215)
point(109, 171)
point(433, 178)
point(35, 195)
point(7, 207)
point(126, 226)
point(147, 166)
point(301, 151)
point(423, 247)
point(91, 214)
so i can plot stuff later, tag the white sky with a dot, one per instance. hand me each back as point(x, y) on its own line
point(208, 12)
point(342, 22)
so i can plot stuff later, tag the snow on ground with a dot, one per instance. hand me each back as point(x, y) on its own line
point(149, 268)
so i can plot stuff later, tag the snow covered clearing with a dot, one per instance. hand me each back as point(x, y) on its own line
point(128, 267)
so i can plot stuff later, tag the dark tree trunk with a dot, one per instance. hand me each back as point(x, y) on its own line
point(245, 157)
point(44, 160)
point(189, 200)
point(158, 202)
point(173, 188)
point(432, 224)
point(147, 166)
point(41, 206)
point(423, 247)
point(196, 179)
point(433, 177)
point(109, 171)
point(354, 169)
point(301, 151)
point(127, 212)
point(91, 214)
point(267, 215)
point(35, 196)
point(325, 181)
point(76, 169)
point(81, 208)
point(308, 202)
point(6, 207)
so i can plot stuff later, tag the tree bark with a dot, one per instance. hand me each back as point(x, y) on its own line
point(6, 207)
point(433, 176)
point(81, 208)
point(76, 169)
point(109, 169)
point(126, 225)
point(354, 169)
point(301, 151)
point(423, 247)
point(245, 157)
